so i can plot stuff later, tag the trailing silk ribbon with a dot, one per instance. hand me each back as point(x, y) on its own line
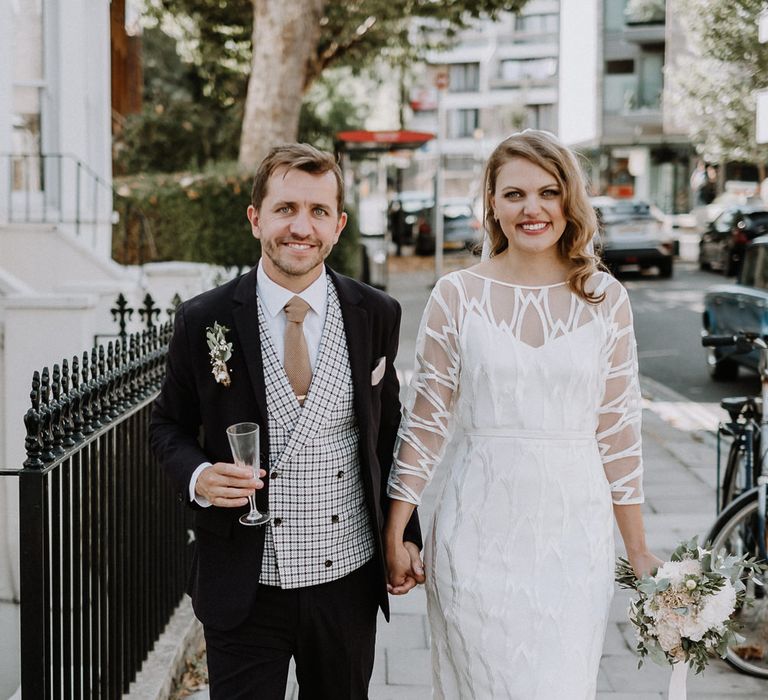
point(677, 681)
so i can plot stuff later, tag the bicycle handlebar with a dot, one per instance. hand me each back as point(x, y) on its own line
point(716, 341)
point(742, 341)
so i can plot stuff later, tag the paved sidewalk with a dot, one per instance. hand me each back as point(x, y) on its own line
point(680, 502)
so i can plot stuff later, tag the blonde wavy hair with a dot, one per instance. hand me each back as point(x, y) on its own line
point(575, 245)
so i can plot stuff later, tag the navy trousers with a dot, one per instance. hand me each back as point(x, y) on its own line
point(329, 630)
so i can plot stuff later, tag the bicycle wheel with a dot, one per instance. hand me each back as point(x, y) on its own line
point(736, 532)
point(734, 479)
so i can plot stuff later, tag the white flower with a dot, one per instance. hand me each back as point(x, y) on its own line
point(676, 571)
point(719, 607)
point(668, 635)
point(220, 351)
point(690, 584)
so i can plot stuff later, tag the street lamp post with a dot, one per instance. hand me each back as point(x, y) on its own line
point(441, 83)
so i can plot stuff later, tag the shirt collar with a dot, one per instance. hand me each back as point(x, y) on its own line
point(274, 297)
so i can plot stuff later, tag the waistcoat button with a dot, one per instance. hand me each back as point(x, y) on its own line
point(277, 521)
point(334, 518)
point(328, 563)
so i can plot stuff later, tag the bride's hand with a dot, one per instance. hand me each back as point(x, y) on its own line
point(404, 567)
point(644, 563)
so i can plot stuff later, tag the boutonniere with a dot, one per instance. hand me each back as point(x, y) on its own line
point(220, 352)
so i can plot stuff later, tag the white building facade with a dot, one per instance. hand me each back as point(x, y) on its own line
point(611, 89)
point(58, 281)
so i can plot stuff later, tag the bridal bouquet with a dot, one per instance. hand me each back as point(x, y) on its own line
point(682, 613)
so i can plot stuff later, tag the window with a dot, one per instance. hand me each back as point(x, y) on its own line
point(616, 67)
point(459, 163)
point(540, 117)
point(464, 77)
point(651, 79)
point(516, 70)
point(462, 123)
point(614, 15)
point(620, 88)
point(536, 24)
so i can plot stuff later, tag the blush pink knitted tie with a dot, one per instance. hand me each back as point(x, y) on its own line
point(296, 357)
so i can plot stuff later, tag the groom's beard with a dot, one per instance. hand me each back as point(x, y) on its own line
point(291, 264)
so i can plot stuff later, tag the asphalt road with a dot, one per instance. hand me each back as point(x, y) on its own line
point(668, 328)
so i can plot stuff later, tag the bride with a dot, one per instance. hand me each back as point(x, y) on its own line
point(526, 365)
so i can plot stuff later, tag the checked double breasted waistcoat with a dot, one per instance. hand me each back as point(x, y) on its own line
point(320, 528)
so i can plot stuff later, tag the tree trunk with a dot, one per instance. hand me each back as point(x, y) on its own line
point(285, 39)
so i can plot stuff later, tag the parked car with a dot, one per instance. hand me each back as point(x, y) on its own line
point(630, 234)
point(724, 240)
point(461, 228)
point(405, 211)
point(742, 306)
point(736, 194)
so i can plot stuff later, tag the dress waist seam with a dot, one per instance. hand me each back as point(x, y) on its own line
point(549, 435)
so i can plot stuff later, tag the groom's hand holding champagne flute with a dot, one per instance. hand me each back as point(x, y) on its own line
point(227, 485)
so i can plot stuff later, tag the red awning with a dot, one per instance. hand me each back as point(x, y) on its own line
point(373, 141)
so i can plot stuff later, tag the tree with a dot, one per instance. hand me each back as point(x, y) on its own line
point(192, 112)
point(294, 41)
point(712, 89)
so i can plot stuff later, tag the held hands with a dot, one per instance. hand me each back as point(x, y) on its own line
point(227, 485)
point(404, 567)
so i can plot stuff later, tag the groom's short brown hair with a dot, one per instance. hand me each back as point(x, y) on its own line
point(296, 156)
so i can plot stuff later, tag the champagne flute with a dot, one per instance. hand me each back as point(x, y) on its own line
point(244, 443)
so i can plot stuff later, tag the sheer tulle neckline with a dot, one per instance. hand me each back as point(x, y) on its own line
point(512, 284)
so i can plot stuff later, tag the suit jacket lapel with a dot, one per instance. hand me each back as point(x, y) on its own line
point(359, 346)
point(246, 317)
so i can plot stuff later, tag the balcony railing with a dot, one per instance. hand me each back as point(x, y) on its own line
point(104, 544)
point(58, 188)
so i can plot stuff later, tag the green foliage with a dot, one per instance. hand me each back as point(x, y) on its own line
point(217, 32)
point(202, 218)
point(329, 108)
point(190, 117)
point(712, 90)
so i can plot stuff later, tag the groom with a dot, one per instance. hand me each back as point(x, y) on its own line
point(312, 363)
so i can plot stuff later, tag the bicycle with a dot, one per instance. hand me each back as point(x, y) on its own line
point(740, 527)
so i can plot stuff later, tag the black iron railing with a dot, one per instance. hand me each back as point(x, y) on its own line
point(104, 544)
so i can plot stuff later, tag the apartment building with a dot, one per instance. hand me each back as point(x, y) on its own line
point(500, 77)
point(611, 88)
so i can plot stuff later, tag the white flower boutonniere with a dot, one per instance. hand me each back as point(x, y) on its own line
point(220, 352)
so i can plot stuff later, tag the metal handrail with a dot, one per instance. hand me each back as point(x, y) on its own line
point(94, 181)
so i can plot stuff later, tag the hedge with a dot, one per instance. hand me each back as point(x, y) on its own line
point(201, 218)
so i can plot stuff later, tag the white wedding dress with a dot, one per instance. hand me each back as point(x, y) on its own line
point(529, 398)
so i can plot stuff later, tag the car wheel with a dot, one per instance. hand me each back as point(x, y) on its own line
point(665, 269)
point(721, 370)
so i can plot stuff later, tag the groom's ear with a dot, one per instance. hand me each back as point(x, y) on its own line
point(253, 217)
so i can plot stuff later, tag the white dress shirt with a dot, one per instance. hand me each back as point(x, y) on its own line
point(273, 299)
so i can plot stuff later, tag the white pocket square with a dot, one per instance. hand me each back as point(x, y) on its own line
point(378, 373)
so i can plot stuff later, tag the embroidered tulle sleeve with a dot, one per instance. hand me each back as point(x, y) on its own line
point(425, 429)
point(618, 432)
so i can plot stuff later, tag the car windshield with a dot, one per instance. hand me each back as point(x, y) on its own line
point(625, 209)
